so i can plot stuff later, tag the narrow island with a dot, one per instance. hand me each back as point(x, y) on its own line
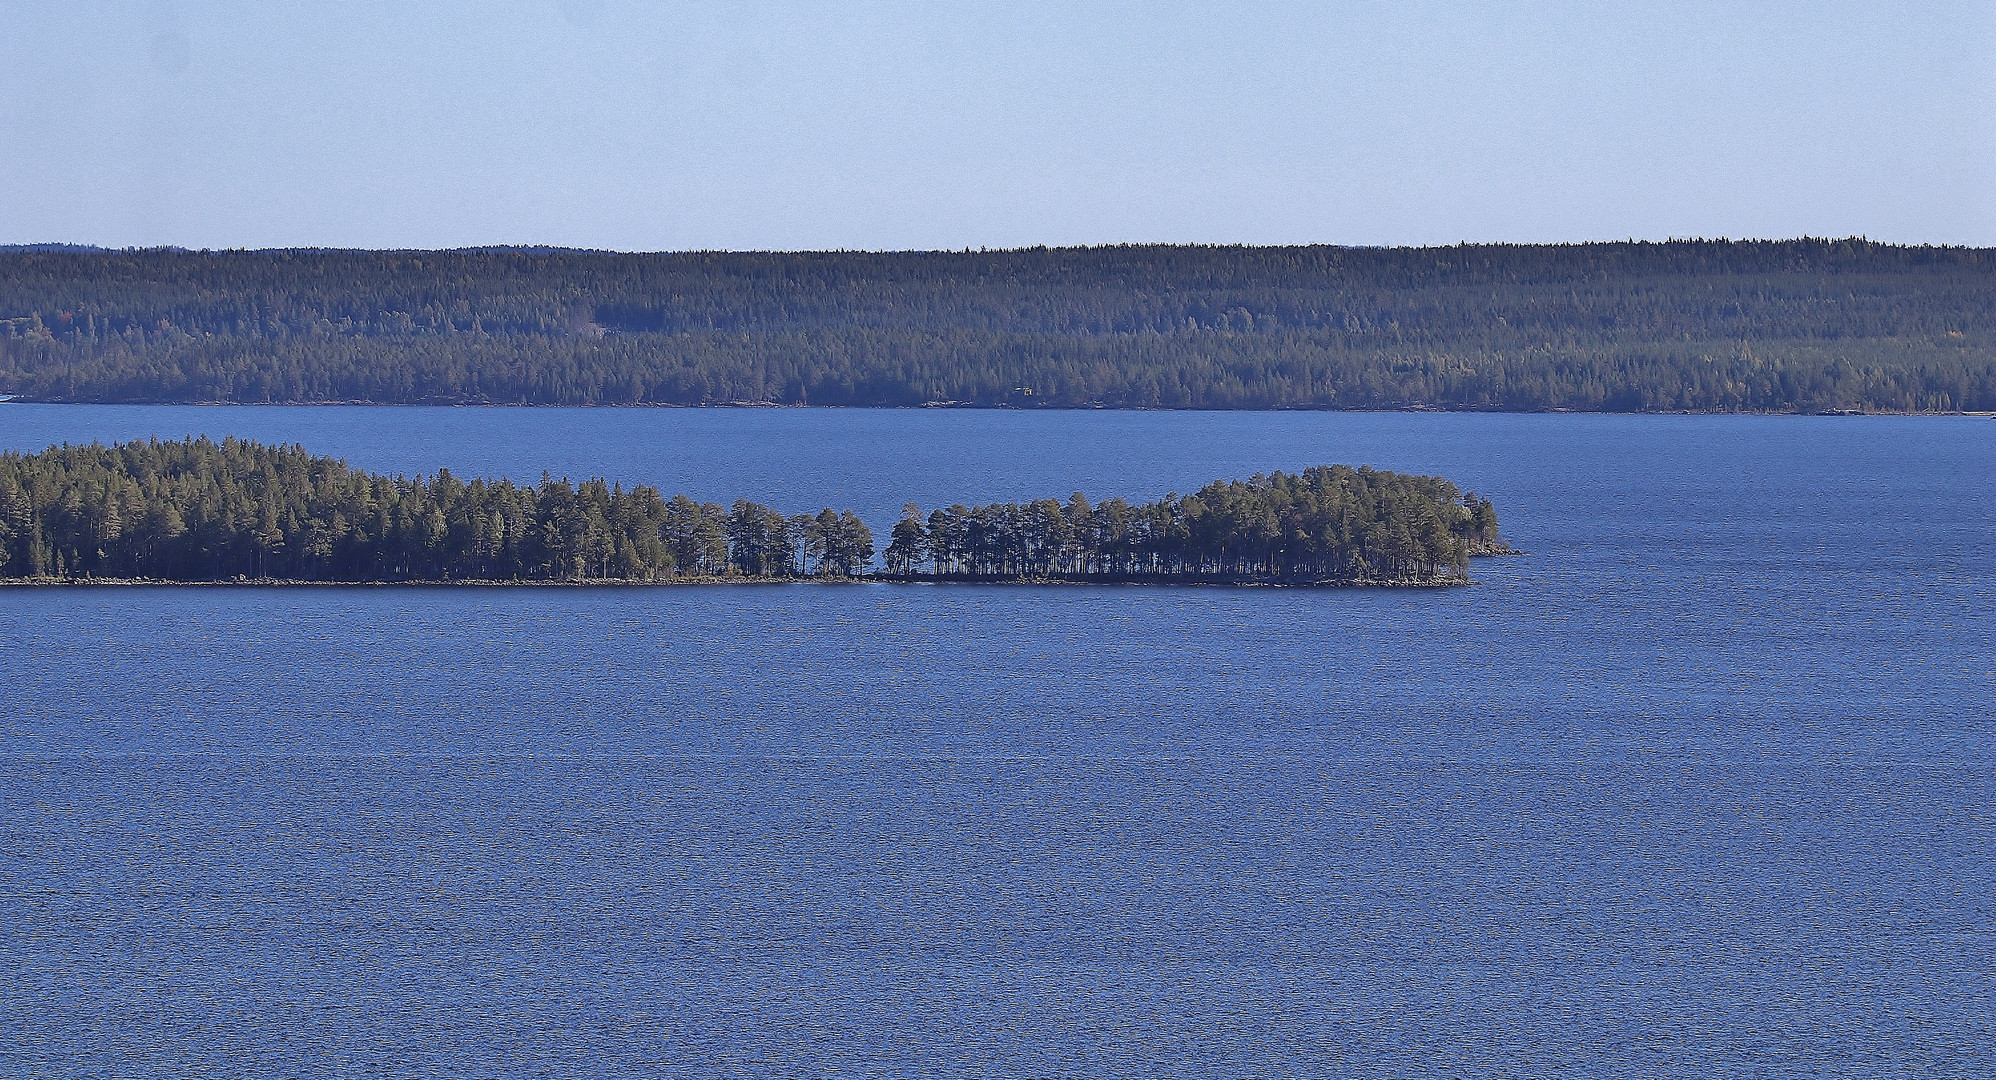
point(243, 512)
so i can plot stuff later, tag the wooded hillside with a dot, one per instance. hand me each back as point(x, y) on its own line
point(1803, 325)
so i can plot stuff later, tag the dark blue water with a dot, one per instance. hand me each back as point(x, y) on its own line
point(1700, 787)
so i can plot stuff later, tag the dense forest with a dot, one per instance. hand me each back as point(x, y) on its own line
point(205, 511)
point(1330, 524)
point(1800, 325)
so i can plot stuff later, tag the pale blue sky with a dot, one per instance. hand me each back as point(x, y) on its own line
point(867, 124)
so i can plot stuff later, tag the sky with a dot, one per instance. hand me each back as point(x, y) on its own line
point(884, 125)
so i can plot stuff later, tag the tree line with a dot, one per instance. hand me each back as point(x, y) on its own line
point(1325, 524)
point(1798, 325)
point(199, 510)
point(205, 511)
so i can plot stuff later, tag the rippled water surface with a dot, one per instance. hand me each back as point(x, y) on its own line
point(1702, 786)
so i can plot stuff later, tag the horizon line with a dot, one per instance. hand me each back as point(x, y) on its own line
point(63, 247)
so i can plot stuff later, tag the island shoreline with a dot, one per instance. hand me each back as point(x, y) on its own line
point(1190, 581)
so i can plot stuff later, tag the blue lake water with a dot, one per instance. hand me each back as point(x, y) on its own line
point(1701, 786)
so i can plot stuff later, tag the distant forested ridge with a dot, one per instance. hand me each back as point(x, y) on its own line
point(1799, 325)
point(204, 511)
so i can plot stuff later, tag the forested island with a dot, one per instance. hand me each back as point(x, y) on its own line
point(1704, 326)
point(1327, 525)
point(201, 511)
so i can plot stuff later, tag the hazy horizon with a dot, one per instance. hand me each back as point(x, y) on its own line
point(982, 249)
point(891, 126)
